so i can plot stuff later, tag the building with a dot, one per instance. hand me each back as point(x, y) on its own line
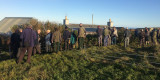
point(8, 22)
point(84, 25)
point(110, 23)
point(65, 21)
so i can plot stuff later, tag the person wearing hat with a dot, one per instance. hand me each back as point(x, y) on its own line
point(81, 36)
point(99, 34)
point(127, 35)
point(66, 38)
point(28, 36)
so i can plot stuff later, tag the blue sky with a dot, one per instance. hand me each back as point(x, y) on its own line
point(125, 13)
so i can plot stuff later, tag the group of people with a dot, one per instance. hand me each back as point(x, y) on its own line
point(110, 36)
point(28, 40)
point(148, 35)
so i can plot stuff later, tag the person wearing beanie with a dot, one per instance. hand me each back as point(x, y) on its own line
point(99, 35)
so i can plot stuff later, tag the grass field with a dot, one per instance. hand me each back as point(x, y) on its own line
point(94, 63)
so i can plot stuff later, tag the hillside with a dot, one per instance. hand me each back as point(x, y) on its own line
point(104, 63)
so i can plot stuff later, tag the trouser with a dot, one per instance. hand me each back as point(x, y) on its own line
point(37, 48)
point(66, 44)
point(155, 41)
point(81, 42)
point(48, 48)
point(100, 40)
point(106, 40)
point(73, 46)
point(126, 42)
point(113, 40)
point(23, 51)
point(109, 40)
point(19, 52)
point(15, 52)
point(56, 46)
point(142, 42)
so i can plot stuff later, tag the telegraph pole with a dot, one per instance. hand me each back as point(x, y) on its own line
point(92, 20)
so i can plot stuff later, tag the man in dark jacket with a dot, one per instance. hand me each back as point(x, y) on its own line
point(99, 34)
point(66, 36)
point(28, 37)
point(127, 35)
point(15, 43)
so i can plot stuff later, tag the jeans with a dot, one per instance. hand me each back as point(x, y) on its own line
point(66, 44)
point(106, 40)
point(100, 40)
point(113, 40)
point(126, 42)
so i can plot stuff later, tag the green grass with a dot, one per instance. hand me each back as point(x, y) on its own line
point(94, 63)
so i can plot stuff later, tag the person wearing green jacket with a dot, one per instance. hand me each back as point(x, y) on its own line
point(56, 39)
point(81, 36)
point(106, 34)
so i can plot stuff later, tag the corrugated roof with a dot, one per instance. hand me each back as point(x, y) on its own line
point(8, 22)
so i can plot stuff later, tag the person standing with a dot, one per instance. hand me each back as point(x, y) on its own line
point(73, 39)
point(28, 37)
point(114, 36)
point(106, 33)
point(37, 46)
point(158, 35)
point(81, 36)
point(48, 41)
point(66, 36)
point(146, 36)
point(155, 37)
point(15, 43)
point(127, 35)
point(20, 47)
point(142, 38)
point(99, 34)
point(56, 39)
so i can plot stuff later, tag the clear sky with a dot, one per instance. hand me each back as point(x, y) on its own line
point(124, 13)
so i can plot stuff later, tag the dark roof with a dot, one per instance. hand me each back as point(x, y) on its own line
point(84, 25)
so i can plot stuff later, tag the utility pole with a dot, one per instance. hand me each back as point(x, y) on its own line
point(92, 20)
